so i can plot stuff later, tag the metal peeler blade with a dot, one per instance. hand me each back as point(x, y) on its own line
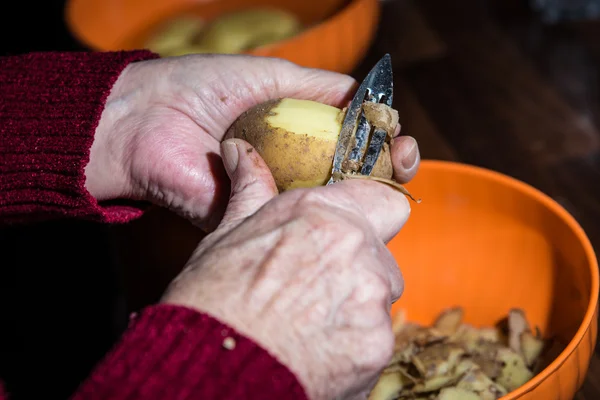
point(377, 87)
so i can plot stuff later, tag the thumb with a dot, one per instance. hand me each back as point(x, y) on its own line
point(252, 184)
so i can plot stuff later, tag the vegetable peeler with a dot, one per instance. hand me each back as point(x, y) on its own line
point(364, 150)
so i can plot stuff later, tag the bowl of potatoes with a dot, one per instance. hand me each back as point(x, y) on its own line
point(327, 34)
point(501, 282)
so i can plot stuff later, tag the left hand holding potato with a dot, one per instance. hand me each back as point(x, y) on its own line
point(159, 136)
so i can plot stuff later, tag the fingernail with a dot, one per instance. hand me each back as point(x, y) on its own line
point(410, 154)
point(230, 155)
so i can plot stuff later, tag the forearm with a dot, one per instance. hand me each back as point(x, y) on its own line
point(173, 353)
point(50, 106)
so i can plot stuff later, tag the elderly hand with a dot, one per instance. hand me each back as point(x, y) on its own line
point(159, 135)
point(306, 274)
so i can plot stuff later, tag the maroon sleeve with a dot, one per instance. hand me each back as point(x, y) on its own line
point(172, 352)
point(50, 106)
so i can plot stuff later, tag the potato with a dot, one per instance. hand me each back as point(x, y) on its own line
point(230, 33)
point(240, 31)
point(184, 50)
point(174, 35)
point(297, 141)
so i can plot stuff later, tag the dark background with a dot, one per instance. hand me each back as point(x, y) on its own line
point(462, 70)
point(63, 284)
point(59, 303)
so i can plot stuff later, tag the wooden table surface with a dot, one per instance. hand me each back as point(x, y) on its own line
point(485, 82)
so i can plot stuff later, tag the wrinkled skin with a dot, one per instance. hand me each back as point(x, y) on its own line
point(306, 274)
point(159, 135)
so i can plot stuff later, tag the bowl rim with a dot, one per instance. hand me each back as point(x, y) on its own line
point(565, 216)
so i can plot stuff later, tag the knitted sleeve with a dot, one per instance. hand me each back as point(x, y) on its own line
point(50, 106)
point(175, 353)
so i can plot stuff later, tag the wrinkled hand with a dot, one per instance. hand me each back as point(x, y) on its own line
point(306, 274)
point(159, 135)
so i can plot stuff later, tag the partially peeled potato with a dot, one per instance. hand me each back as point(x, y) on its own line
point(297, 140)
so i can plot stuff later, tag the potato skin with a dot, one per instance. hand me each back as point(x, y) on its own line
point(383, 167)
point(295, 159)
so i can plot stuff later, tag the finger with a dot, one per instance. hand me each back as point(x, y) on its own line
point(405, 158)
point(393, 272)
point(319, 85)
point(384, 208)
point(384, 264)
point(252, 184)
point(232, 84)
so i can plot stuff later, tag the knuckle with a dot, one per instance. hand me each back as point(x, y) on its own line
point(310, 200)
point(395, 275)
point(248, 183)
point(392, 199)
point(352, 235)
point(283, 63)
point(379, 287)
point(311, 205)
point(318, 211)
point(378, 349)
point(316, 202)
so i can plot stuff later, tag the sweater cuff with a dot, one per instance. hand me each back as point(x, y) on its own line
point(50, 106)
point(172, 352)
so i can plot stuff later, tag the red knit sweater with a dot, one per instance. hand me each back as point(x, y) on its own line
point(50, 105)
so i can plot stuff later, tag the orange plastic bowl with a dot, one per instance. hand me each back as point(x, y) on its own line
point(339, 33)
point(487, 242)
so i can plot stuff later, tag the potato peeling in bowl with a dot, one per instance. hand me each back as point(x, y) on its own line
point(452, 360)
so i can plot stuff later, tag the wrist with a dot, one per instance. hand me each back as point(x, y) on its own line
point(288, 349)
point(105, 173)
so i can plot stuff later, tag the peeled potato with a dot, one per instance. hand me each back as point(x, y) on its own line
point(297, 140)
point(184, 50)
point(240, 31)
point(174, 35)
point(230, 33)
